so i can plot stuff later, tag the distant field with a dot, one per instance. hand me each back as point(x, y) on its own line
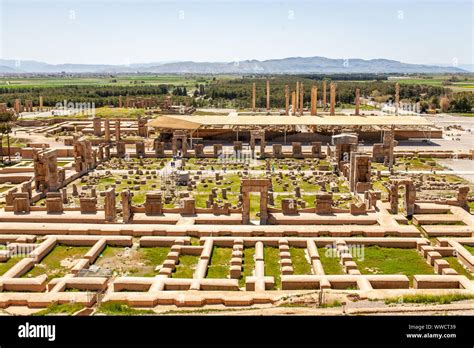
point(139, 80)
point(465, 83)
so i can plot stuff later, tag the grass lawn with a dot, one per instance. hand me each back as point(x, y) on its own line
point(380, 260)
point(219, 266)
point(65, 309)
point(51, 264)
point(121, 309)
point(272, 264)
point(330, 262)
point(454, 264)
point(300, 264)
point(186, 267)
point(248, 266)
point(5, 266)
point(469, 248)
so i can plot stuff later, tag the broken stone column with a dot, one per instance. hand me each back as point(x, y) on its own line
point(217, 150)
point(397, 97)
point(277, 151)
point(314, 100)
point(316, 149)
point(126, 206)
point(357, 101)
point(153, 203)
point(107, 129)
point(159, 147)
point(109, 205)
point(268, 95)
point(120, 149)
point(324, 101)
point(293, 103)
point(117, 130)
point(360, 170)
point(332, 109)
point(199, 150)
point(140, 149)
point(254, 97)
point(287, 100)
point(46, 169)
point(461, 198)
point(142, 127)
point(97, 124)
point(301, 98)
point(64, 196)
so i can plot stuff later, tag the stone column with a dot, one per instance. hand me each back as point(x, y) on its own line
point(296, 106)
point(333, 99)
point(107, 129)
point(397, 97)
point(314, 99)
point(41, 103)
point(268, 95)
point(357, 101)
point(254, 96)
point(117, 130)
point(126, 206)
point(324, 95)
point(293, 103)
point(263, 207)
point(109, 205)
point(17, 106)
point(97, 126)
point(301, 98)
point(120, 101)
point(287, 100)
point(245, 207)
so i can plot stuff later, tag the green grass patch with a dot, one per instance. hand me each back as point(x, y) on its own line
point(380, 260)
point(51, 263)
point(454, 264)
point(219, 266)
point(248, 266)
point(117, 308)
point(469, 248)
point(330, 261)
point(186, 267)
point(272, 264)
point(300, 264)
point(427, 299)
point(55, 308)
point(5, 266)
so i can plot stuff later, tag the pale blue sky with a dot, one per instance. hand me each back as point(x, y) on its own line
point(127, 31)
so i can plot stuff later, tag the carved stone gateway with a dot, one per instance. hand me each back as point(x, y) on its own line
point(83, 156)
point(255, 185)
point(21, 203)
point(159, 148)
point(359, 175)
point(277, 151)
point(46, 170)
point(410, 196)
point(257, 135)
point(297, 150)
point(179, 142)
point(316, 149)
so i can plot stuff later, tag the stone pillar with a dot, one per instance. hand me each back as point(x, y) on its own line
point(140, 148)
point(245, 208)
point(21, 203)
point(109, 205)
point(40, 103)
point(17, 106)
point(54, 203)
point(268, 95)
point(159, 148)
point(359, 172)
point(296, 106)
point(293, 103)
point(324, 101)
point(314, 100)
point(397, 97)
point(357, 101)
point(461, 198)
point(316, 149)
point(120, 101)
point(217, 150)
point(117, 130)
point(333, 99)
point(120, 149)
point(301, 98)
point(142, 127)
point(97, 126)
point(297, 150)
point(254, 96)
point(287, 100)
point(126, 206)
point(107, 129)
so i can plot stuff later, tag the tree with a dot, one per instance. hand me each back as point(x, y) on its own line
point(6, 124)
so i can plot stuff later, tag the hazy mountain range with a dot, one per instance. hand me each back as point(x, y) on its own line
point(294, 65)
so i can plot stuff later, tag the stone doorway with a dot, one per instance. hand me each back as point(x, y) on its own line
point(255, 185)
